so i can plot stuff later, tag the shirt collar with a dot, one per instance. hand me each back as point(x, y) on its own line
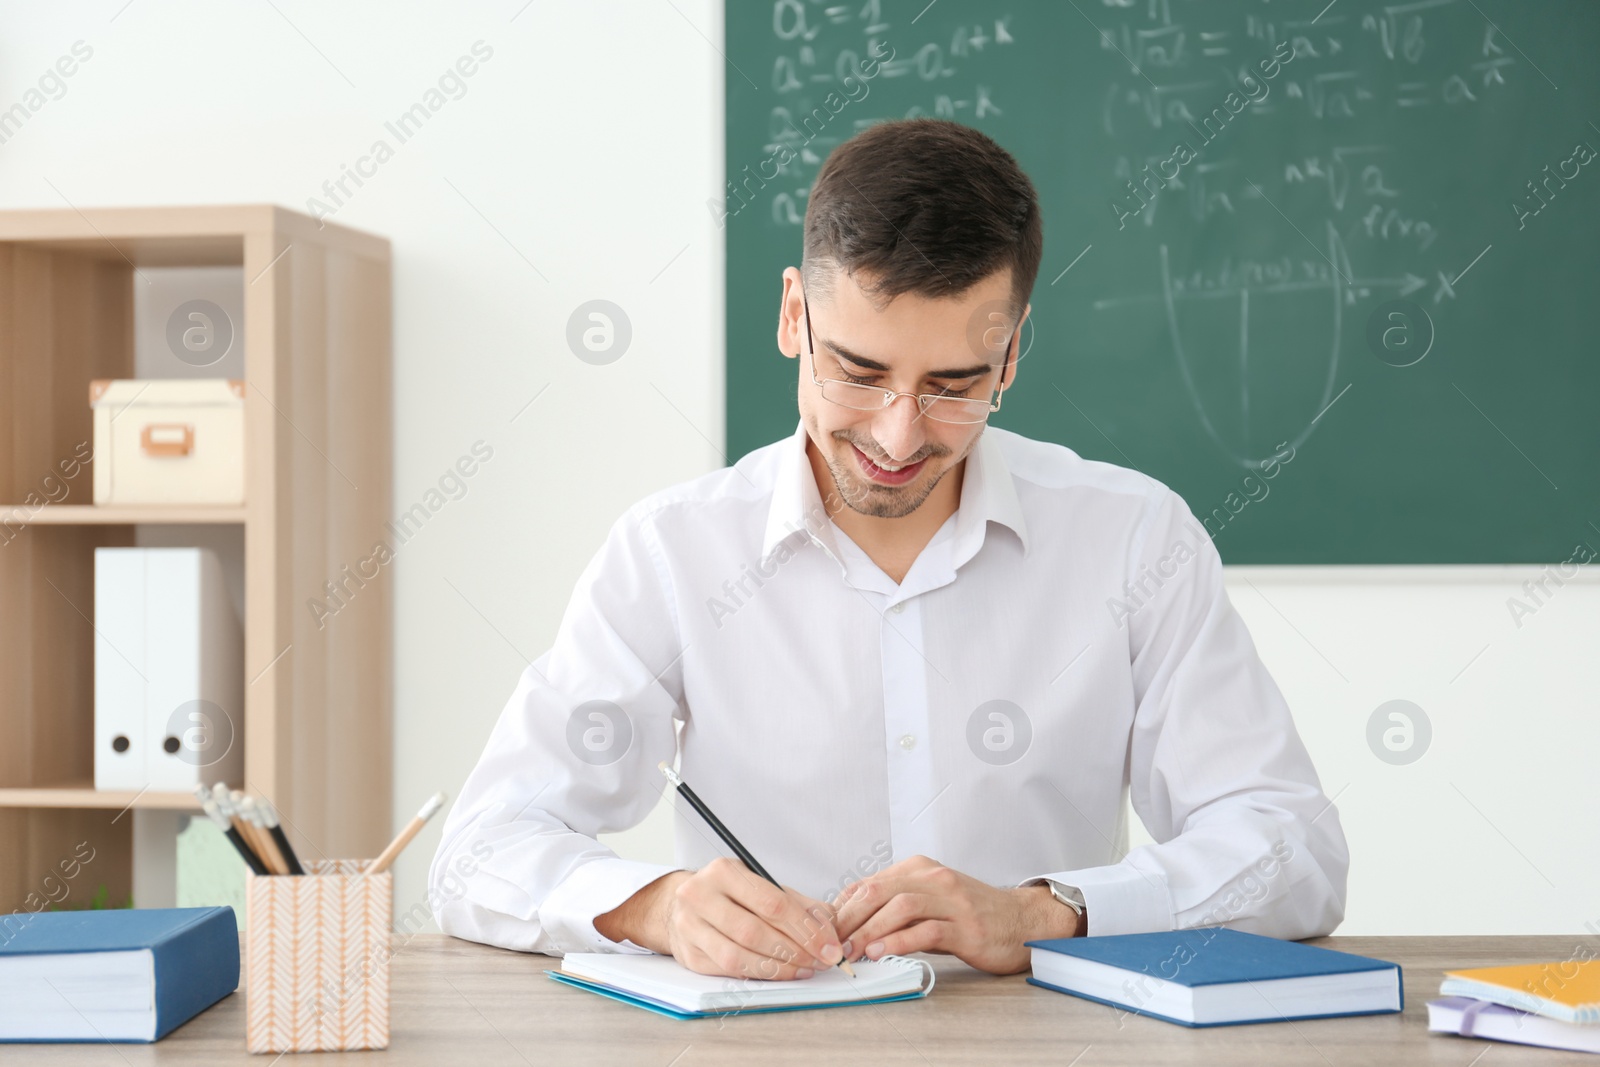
point(988, 494)
point(797, 507)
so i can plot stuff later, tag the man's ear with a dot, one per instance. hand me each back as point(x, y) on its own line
point(790, 308)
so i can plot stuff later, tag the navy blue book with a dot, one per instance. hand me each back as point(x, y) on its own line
point(117, 975)
point(1213, 976)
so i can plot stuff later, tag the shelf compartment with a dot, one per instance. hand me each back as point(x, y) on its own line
point(316, 331)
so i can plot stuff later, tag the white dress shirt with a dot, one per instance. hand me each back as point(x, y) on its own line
point(1063, 645)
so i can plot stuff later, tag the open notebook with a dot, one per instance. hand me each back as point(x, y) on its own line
point(664, 985)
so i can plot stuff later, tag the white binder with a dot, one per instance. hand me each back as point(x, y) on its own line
point(168, 671)
point(119, 669)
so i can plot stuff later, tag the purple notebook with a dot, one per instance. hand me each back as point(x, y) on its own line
point(1495, 1022)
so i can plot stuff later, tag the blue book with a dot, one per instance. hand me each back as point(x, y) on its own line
point(1213, 976)
point(118, 975)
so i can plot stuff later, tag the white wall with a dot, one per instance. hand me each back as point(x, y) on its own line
point(586, 146)
point(583, 151)
point(1492, 829)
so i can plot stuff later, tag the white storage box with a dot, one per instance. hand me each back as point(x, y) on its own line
point(178, 441)
point(168, 671)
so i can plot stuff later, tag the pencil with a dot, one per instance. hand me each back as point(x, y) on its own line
point(727, 837)
point(228, 802)
point(223, 798)
point(403, 838)
point(214, 813)
point(252, 833)
point(251, 812)
point(269, 816)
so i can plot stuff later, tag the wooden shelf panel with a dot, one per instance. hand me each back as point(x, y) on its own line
point(118, 514)
point(85, 795)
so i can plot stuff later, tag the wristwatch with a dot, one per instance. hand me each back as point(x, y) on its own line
point(1070, 895)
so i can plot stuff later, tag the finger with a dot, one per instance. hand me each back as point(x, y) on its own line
point(870, 895)
point(847, 893)
point(751, 932)
point(710, 951)
point(932, 935)
point(907, 865)
point(710, 897)
point(821, 910)
point(808, 923)
point(905, 910)
point(817, 931)
point(894, 870)
point(819, 926)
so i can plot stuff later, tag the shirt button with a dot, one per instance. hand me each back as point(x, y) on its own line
point(898, 608)
point(908, 742)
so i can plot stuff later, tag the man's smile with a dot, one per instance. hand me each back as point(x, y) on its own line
point(886, 473)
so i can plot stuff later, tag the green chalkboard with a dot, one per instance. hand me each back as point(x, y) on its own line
point(1437, 153)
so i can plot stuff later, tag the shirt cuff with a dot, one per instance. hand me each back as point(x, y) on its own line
point(1119, 899)
point(1069, 895)
point(568, 912)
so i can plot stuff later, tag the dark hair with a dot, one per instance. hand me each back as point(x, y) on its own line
point(922, 206)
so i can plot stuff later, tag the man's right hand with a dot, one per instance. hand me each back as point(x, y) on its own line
point(724, 919)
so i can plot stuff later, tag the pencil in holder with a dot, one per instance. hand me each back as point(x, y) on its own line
point(317, 959)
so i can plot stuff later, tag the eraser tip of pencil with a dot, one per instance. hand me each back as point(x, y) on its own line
point(434, 803)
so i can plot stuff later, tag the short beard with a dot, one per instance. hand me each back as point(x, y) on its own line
point(878, 501)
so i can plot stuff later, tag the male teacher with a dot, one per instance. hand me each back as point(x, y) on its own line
point(900, 653)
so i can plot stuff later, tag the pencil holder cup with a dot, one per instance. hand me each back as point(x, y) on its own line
point(316, 967)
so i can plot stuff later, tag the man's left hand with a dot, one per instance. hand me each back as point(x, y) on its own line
point(918, 905)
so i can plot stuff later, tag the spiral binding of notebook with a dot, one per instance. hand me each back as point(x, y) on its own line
point(924, 965)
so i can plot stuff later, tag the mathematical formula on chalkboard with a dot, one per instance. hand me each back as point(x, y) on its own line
point(1236, 194)
point(1179, 81)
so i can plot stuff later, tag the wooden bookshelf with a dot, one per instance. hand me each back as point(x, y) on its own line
point(83, 794)
point(316, 723)
point(114, 515)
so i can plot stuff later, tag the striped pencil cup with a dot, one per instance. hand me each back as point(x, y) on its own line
point(316, 967)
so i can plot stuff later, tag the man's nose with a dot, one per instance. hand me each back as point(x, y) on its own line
point(900, 429)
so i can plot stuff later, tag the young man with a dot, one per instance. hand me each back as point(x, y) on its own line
point(888, 651)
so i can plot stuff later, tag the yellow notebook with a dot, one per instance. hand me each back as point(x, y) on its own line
point(1569, 990)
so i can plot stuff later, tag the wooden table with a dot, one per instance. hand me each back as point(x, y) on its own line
point(459, 1003)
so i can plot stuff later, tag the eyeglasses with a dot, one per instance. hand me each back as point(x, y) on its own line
point(939, 407)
